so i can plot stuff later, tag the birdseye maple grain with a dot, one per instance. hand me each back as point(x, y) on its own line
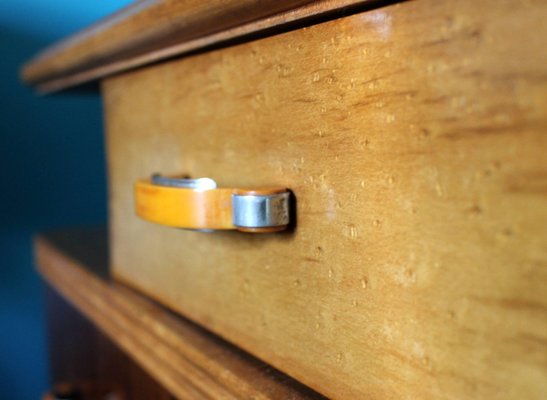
point(413, 137)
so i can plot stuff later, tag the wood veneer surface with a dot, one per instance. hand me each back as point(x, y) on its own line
point(413, 137)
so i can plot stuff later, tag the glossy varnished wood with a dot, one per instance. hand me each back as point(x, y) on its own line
point(414, 138)
point(153, 30)
point(186, 360)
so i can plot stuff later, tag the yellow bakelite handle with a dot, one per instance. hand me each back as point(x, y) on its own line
point(192, 208)
point(184, 208)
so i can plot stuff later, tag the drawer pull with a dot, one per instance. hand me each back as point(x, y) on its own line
point(199, 204)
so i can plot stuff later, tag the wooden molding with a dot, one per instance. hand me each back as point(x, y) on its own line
point(154, 30)
point(187, 360)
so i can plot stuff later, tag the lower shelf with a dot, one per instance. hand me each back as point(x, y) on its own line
point(186, 360)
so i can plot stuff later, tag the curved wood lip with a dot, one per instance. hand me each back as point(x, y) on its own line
point(155, 30)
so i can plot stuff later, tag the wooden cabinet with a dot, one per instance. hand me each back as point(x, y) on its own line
point(412, 136)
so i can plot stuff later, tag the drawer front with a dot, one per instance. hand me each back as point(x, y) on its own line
point(414, 139)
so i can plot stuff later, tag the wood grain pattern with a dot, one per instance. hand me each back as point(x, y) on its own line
point(414, 138)
point(185, 359)
point(153, 30)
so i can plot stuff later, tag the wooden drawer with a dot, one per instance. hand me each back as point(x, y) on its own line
point(414, 139)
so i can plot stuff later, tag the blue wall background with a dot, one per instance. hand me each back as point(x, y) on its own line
point(52, 173)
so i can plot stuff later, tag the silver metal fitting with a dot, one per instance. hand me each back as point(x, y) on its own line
point(260, 211)
point(185, 183)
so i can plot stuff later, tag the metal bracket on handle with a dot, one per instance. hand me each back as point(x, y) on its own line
point(185, 183)
point(252, 211)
